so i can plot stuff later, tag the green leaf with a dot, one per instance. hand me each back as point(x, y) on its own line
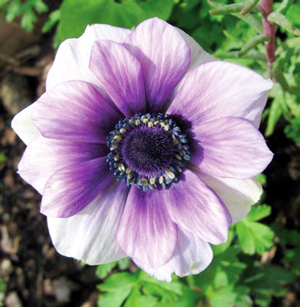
point(229, 296)
point(219, 249)
point(189, 298)
point(262, 179)
point(53, 19)
point(224, 270)
point(292, 130)
point(248, 6)
point(293, 13)
point(14, 9)
point(3, 157)
point(284, 6)
point(123, 263)
point(137, 299)
point(267, 281)
point(188, 5)
point(258, 212)
point(234, 9)
point(28, 20)
point(104, 269)
point(282, 21)
point(220, 281)
point(118, 288)
point(153, 286)
point(280, 78)
point(286, 237)
point(2, 286)
point(3, 3)
point(40, 6)
point(227, 9)
point(291, 257)
point(276, 109)
point(118, 281)
point(76, 15)
point(255, 237)
point(259, 39)
point(251, 20)
point(114, 299)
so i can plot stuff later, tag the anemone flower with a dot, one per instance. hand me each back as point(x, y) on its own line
point(144, 146)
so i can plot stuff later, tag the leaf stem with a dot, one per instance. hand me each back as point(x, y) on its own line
point(269, 31)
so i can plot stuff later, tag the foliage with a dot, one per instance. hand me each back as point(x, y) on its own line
point(2, 290)
point(239, 275)
point(139, 289)
point(254, 237)
point(233, 278)
point(3, 157)
point(27, 9)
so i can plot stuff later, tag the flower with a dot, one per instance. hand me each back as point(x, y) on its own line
point(144, 146)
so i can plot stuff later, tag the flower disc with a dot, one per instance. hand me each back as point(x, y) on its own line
point(148, 151)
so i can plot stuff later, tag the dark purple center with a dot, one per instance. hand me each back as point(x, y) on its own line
point(148, 151)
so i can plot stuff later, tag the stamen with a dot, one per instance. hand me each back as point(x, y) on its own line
point(148, 151)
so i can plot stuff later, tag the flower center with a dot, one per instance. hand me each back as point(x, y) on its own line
point(148, 151)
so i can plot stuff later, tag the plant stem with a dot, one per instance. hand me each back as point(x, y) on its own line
point(269, 31)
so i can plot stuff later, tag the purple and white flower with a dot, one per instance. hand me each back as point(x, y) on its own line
point(144, 146)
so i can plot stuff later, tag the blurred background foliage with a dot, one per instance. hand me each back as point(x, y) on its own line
point(260, 263)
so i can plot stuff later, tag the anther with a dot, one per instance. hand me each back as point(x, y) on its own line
point(121, 167)
point(170, 174)
point(117, 138)
point(152, 180)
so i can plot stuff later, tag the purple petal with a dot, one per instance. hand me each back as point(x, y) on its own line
point(73, 55)
point(237, 194)
point(146, 232)
point(90, 234)
point(164, 56)
point(191, 256)
point(72, 188)
point(75, 111)
point(232, 148)
point(43, 157)
point(120, 74)
point(195, 207)
point(220, 89)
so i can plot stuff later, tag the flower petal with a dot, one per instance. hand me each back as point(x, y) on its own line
point(164, 56)
point(220, 89)
point(23, 125)
point(120, 74)
point(90, 234)
point(73, 55)
point(75, 111)
point(146, 232)
point(237, 194)
point(43, 157)
point(198, 54)
point(196, 208)
point(72, 188)
point(191, 256)
point(231, 148)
